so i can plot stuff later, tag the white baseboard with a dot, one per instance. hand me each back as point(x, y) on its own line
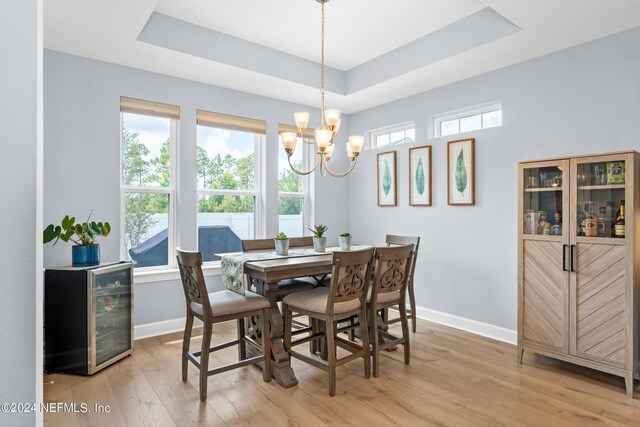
point(160, 328)
point(479, 328)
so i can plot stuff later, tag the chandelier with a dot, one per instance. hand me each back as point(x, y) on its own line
point(325, 134)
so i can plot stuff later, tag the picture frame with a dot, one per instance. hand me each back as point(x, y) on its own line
point(420, 176)
point(387, 179)
point(461, 178)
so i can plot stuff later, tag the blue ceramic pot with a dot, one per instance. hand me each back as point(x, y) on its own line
point(83, 256)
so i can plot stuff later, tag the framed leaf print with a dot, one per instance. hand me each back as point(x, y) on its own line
point(387, 187)
point(420, 176)
point(461, 178)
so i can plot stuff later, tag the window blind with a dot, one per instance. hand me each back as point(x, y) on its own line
point(148, 108)
point(225, 121)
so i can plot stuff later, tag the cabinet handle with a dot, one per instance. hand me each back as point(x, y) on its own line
point(571, 255)
point(564, 257)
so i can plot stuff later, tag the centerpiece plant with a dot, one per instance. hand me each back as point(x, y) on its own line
point(319, 241)
point(344, 239)
point(282, 244)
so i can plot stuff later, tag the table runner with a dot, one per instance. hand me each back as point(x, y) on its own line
point(232, 265)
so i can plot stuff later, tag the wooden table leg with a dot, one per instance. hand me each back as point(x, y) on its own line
point(280, 363)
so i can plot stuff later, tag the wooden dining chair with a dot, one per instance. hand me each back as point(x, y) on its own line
point(393, 266)
point(393, 240)
point(345, 297)
point(219, 307)
point(287, 286)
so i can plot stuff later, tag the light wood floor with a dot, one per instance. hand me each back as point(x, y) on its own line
point(455, 379)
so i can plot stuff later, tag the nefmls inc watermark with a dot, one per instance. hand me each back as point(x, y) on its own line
point(53, 407)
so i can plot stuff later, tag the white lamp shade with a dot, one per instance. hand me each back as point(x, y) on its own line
point(349, 151)
point(332, 116)
point(329, 151)
point(337, 127)
point(302, 120)
point(356, 143)
point(323, 138)
point(289, 140)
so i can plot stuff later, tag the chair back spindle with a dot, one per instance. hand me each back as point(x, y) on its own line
point(349, 279)
point(392, 270)
point(193, 284)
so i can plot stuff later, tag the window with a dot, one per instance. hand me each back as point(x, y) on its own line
point(398, 134)
point(293, 200)
point(148, 181)
point(228, 156)
point(476, 118)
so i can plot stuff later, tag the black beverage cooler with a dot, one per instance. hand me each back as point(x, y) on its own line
point(88, 317)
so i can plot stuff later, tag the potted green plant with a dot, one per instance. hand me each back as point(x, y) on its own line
point(86, 251)
point(282, 244)
point(319, 241)
point(344, 239)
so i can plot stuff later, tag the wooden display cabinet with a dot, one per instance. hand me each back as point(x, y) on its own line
point(578, 293)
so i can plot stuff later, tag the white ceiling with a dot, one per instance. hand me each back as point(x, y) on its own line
point(357, 31)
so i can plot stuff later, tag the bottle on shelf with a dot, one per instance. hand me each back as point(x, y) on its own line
point(542, 216)
point(609, 217)
point(604, 223)
point(590, 221)
point(618, 212)
point(556, 228)
point(619, 226)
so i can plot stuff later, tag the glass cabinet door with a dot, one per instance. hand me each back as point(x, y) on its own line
point(544, 240)
point(544, 198)
point(112, 299)
point(599, 208)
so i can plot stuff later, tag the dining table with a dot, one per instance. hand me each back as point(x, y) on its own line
point(263, 272)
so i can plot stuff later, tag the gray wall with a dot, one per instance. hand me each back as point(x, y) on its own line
point(82, 119)
point(577, 101)
point(20, 381)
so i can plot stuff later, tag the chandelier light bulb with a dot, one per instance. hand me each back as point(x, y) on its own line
point(289, 141)
point(323, 138)
point(356, 143)
point(332, 116)
point(349, 151)
point(329, 151)
point(302, 120)
point(336, 128)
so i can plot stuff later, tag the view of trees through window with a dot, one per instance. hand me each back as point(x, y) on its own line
point(146, 181)
point(225, 173)
point(292, 190)
point(227, 188)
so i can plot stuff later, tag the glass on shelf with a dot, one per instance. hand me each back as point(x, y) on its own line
point(601, 174)
point(543, 200)
point(545, 177)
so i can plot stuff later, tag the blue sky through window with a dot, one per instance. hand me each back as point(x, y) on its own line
point(223, 141)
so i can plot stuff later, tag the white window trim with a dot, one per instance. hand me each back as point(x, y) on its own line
point(148, 275)
point(462, 113)
point(171, 191)
point(375, 133)
point(258, 148)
